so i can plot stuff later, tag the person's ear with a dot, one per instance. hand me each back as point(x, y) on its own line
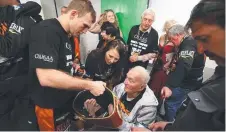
point(143, 86)
point(73, 14)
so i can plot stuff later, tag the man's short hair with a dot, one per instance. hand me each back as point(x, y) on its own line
point(83, 7)
point(109, 28)
point(143, 72)
point(209, 12)
point(148, 11)
point(176, 30)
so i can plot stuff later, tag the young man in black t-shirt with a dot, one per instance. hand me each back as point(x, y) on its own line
point(51, 59)
point(142, 40)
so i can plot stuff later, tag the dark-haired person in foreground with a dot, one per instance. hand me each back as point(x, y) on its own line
point(205, 110)
point(15, 22)
point(106, 64)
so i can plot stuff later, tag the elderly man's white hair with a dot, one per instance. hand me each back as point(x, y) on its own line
point(143, 72)
point(148, 11)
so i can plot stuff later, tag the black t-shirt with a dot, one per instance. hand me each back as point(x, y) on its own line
point(50, 48)
point(142, 43)
point(130, 104)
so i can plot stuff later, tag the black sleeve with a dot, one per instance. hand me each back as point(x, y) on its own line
point(153, 46)
point(185, 61)
point(155, 43)
point(44, 48)
point(90, 64)
point(191, 120)
point(129, 37)
point(129, 41)
point(7, 15)
point(17, 37)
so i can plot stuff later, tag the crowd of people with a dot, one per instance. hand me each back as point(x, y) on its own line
point(41, 74)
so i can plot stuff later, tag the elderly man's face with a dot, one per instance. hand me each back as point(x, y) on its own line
point(147, 21)
point(176, 40)
point(133, 82)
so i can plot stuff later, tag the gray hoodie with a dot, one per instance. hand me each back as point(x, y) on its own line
point(143, 113)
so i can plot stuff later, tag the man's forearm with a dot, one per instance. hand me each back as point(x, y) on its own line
point(57, 79)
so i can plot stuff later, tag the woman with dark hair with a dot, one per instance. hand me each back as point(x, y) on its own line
point(106, 64)
point(108, 33)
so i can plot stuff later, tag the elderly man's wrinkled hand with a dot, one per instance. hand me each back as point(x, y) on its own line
point(91, 106)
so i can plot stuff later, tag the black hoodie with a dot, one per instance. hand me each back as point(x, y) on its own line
point(14, 37)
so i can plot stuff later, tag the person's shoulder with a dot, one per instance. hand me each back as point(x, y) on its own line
point(210, 97)
point(135, 27)
point(49, 26)
point(149, 97)
point(189, 42)
point(7, 9)
point(29, 8)
point(94, 54)
point(154, 31)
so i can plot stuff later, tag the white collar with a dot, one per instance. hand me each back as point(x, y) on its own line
point(148, 31)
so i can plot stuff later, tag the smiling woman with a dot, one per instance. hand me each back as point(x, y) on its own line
point(106, 64)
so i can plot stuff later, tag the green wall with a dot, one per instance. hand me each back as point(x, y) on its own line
point(128, 12)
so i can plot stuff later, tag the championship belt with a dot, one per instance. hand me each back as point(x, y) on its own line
point(102, 118)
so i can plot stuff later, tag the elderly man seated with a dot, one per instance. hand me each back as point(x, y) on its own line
point(139, 100)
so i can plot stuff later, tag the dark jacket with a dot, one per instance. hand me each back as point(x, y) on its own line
point(99, 70)
point(189, 66)
point(16, 113)
point(14, 40)
point(142, 43)
point(206, 108)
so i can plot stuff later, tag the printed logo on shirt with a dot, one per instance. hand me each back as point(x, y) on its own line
point(44, 57)
point(137, 47)
point(70, 63)
point(69, 57)
point(141, 38)
point(16, 7)
point(15, 29)
point(68, 46)
point(186, 54)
